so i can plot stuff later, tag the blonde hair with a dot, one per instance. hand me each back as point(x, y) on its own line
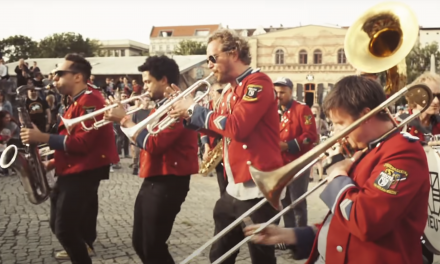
point(232, 41)
point(427, 76)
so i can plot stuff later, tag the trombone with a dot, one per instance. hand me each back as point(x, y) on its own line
point(68, 123)
point(154, 123)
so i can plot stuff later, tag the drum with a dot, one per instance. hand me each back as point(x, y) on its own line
point(431, 237)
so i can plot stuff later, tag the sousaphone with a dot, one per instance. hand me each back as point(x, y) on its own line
point(381, 39)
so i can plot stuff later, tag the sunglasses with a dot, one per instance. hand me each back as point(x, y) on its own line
point(213, 58)
point(61, 73)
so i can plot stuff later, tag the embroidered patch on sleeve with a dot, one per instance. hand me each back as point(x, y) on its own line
point(389, 178)
point(308, 119)
point(252, 91)
point(89, 109)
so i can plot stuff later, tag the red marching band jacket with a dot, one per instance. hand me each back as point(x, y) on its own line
point(250, 129)
point(415, 128)
point(83, 150)
point(298, 130)
point(171, 151)
point(378, 213)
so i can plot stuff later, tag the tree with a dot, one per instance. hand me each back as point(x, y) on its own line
point(18, 47)
point(419, 60)
point(58, 45)
point(189, 47)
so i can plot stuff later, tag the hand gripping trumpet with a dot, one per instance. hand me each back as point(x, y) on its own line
point(74, 121)
point(154, 123)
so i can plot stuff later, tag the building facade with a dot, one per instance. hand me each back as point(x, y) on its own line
point(164, 40)
point(311, 56)
point(428, 36)
point(122, 48)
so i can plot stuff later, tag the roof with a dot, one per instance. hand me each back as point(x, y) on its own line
point(183, 31)
point(114, 65)
point(126, 43)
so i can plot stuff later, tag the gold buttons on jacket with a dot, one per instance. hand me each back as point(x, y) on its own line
point(248, 162)
point(103, 156)
point(233, 98)
point(415, 131)
point(69, 165)
point(339, 248)
point(240, 83)
point(175, 163)
point(244, 146)
point(75, 103)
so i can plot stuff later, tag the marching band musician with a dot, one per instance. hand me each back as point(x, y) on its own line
point(298, 134)
point(377, 202)
point(248, 121)
point(210, 142)
point(167, 161)
point(81, 160)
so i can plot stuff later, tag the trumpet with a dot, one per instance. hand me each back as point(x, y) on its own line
point(68, 123)
point(154, 123)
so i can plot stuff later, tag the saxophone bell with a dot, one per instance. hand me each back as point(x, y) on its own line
point(8, 156)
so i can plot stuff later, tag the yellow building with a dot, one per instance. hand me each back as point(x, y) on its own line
point(311, 56)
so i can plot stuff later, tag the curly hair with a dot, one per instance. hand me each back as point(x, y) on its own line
point(162, 66)
point(232, 41)
point(427, 76)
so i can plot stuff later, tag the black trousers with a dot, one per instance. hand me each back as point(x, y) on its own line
point(226, 210)
point(221, 178)
point(297, 217)
point(428, 255)
point(157, 204)
point(74, 211)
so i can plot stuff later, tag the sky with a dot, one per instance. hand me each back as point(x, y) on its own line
point(133, 19)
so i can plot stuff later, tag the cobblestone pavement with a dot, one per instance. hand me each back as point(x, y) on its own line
point(25, 236)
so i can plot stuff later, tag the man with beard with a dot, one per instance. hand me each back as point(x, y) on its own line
point(248, 121)
point(81, 160)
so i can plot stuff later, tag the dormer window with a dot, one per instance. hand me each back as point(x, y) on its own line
point(202, 33)
point(166, 33)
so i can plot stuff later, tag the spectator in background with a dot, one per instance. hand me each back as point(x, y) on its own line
point(38, 110)
point(4, 75)
point(322, 128)
point(9, 134)
point(23, 73)
point(5, 105)
point(34, 69)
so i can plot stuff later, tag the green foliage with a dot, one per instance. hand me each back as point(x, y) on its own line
point(189, 47)
point(419, 60)
point(17, 47)
point(58, 45)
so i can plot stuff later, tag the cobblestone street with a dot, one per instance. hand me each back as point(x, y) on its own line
point(25, 236)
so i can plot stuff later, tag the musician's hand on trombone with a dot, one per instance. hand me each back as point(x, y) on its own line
point(115, 114)
point(271, 235)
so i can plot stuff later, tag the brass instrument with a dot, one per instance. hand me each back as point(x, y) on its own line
point(389, 45)
point(68, 123)
point(215, 156)
point(154, 123)
point(381, 39)
point(27, 161)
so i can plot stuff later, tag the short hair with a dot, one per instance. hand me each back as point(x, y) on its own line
point(353, 94)
point(162, 66)
point(80, 65)
point(232, 41)
point(427, 76)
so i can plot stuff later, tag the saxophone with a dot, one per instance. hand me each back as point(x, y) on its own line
point(26, 161)
point(215, 156)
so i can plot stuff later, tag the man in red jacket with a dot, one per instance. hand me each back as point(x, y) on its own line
point(81, 160)
point(377, 201)
point(248, 121)
point(298, 134)
point(167, 161)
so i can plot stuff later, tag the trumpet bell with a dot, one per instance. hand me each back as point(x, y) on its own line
point(382, 37)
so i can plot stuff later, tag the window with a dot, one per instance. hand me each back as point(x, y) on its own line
point(202, 33)
point(279, 57)
point(122, 53)
point(317, 57)
point(341, 57)
point(116, 53)
point(166, 33)
point(303, 57)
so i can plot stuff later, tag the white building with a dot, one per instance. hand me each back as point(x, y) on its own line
point(429, 35)
point(122, 48)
